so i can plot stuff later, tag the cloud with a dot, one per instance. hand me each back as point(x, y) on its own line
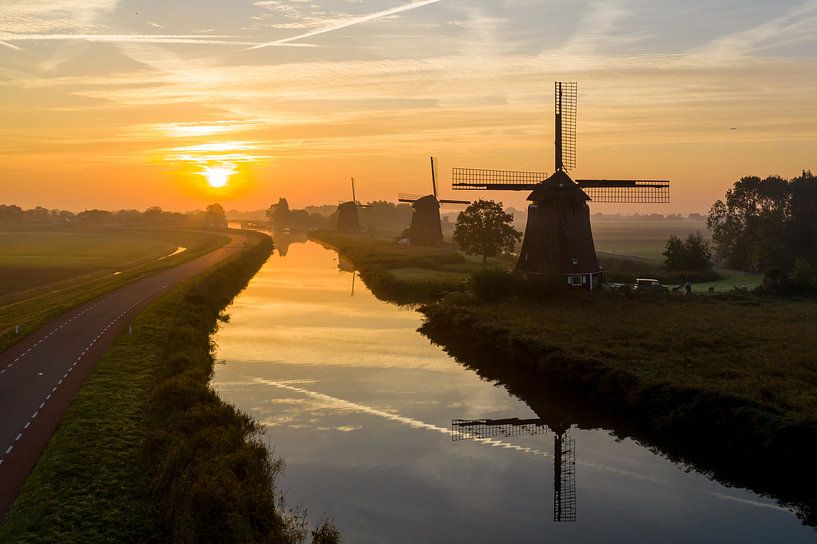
point(21, 16)
point(351, 22)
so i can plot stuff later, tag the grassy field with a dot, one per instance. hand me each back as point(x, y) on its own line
point(109, 258)
point(46, 257)
point(147, 451)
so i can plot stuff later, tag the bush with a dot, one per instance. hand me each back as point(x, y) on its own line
point(802, 277)
point(492, 284)
point(775, 280)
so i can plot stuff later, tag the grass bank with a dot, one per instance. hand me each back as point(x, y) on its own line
point(31, 308)
point(148, 452)
point(404, 274)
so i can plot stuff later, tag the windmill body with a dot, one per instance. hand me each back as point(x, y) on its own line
point(348, 216)
point(426, 227)
point(558, 235)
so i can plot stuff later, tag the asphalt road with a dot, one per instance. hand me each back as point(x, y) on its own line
point(41, 373)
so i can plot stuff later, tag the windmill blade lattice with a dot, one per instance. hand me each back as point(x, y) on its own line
point(566, 107)
point(626, 191)
point(508, 180)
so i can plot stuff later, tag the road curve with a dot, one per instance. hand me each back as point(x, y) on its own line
point(41, 374)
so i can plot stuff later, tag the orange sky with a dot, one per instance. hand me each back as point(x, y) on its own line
point(109, 105)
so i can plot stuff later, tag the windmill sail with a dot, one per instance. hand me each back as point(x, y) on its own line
point(564, 453)
point(495, 180)
point(629, 191)
point(566, 98)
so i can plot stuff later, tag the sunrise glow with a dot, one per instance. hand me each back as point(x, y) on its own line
point(218, 177)
point(381, 84)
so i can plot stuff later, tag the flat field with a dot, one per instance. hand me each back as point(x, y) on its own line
point(641, 238)
point(45, 272)
point(34, 258)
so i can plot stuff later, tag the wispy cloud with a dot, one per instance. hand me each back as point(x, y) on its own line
point(350, 22)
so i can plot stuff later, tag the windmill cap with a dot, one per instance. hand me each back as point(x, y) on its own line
point(559, 186)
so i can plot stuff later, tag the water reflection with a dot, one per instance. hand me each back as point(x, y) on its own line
point(361, 406)
point(564, 453)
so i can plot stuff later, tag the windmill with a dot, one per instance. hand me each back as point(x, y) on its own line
point(564, 453)
point(348, 220)
point(426, 227)
point(558, 238)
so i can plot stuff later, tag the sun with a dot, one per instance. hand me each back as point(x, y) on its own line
point(217, 177)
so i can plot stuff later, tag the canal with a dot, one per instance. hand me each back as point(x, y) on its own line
point(397, 442)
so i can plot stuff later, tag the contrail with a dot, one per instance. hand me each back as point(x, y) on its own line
point(5, 39)
point(350, 22)
point(11, 45)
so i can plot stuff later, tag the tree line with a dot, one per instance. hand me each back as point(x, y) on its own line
point(213, 217)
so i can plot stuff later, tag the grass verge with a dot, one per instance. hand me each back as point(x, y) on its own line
point(148, 452)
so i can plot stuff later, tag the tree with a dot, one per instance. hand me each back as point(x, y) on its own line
point(215, 217)
point(675, 254)
point(766, 223)
point(484, 228)
point(279, 214)
point(698, 252)
point(690, 255)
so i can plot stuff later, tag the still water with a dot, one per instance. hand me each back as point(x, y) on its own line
point(362, 406)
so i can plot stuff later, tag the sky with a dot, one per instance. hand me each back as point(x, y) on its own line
point(129, 104)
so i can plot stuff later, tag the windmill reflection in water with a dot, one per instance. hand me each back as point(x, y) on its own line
point(564, 453)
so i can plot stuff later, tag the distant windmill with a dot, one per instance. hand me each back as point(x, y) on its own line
point(426, 227)
point(564, 453)
point(348, 219)
point(558, 238)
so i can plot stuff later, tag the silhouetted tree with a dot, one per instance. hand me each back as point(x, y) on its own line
point(692, 254)
point(10, 215)
point(278, 214)
point(215, 217)
point(766, 222)
point(484, 228)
